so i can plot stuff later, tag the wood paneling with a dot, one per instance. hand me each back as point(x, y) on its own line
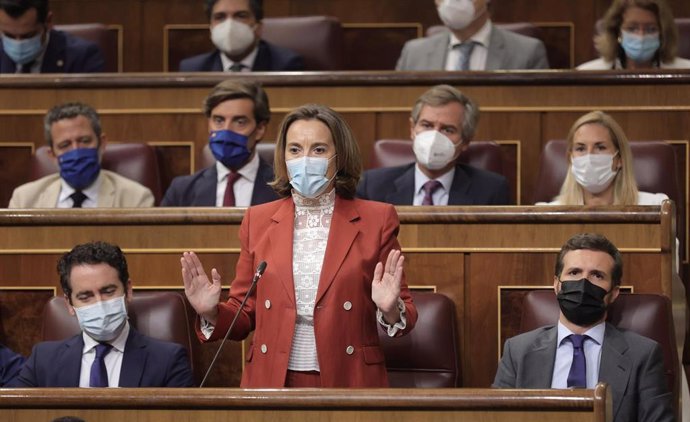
point(467, 253)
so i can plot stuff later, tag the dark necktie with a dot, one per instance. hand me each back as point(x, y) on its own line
point(465, 54)
point(78, 198)
point(99, 375)
point(577, 377)
point(26, 68)
point(429, 188)
point(236, 67)
point(229, 198)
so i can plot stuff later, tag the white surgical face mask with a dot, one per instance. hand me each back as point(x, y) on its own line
point(103, 320)
point(456, 14)
point(433, 149)
point(593, 171)
point(232, 37)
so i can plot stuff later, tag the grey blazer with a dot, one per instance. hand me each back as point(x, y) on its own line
point(507, 50)
point(631, 364)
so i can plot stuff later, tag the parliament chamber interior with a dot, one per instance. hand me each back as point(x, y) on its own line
point(475, 272)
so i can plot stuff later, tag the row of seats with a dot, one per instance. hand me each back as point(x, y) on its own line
point(428, 356)
point(319, 39)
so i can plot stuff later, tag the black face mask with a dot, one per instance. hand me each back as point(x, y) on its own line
point(582, 302)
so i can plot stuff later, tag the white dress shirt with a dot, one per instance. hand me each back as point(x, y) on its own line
point(91, 192)
point(479, 53)
point(243, 187)
point(440, 196)
point(564, 355)
point(247, 62)
point(113, 360)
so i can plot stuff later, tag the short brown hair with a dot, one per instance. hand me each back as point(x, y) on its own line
point(592, 242)
point(441, 95)
point(348, 158)
point(233, 89)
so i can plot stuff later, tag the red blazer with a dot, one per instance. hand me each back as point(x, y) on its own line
point(361, 234)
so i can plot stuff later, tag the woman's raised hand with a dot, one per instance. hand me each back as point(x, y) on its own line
point(203, 294)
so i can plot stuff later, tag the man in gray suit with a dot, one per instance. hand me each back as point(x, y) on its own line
point(472, 42)
point(583, 349)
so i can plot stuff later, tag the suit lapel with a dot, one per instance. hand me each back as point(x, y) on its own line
point(459, 189)
point(133, 360)
point(69, 363)
point(404, 188)
point(494, 57)
point(106, 193)
point(341, 235)
point(281, 234)
point(262, 192)
point(206, 194)
point(6, 64)
point(541, 358)
point(49, 197)
point(263, 58)
point(615, 367)
point(54, 58)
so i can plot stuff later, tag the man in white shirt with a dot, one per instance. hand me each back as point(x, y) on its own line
point(471, 42)
point(108, 352)
point(76, 141)
point(583, 349)
point(237, 112)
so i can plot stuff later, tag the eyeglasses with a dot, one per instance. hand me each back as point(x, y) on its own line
point(641, 29)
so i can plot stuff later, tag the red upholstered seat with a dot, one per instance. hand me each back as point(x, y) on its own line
point(646, 314)
point(106, 39)
point(136, 161)
point(428, 355)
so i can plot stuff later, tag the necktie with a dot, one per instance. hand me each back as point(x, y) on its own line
point(577, 377)
point(26, 68)
point(229, 197)
point(465, 53)
point(99, 375)
point(236, 67)
point(78, 198)
point(429, 188)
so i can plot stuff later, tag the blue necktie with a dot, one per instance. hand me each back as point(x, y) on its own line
point(99, 375)
point(465, 53)
point(577, 377)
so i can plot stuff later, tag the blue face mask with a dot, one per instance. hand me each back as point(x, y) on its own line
point(22, 51)
point(230, 148)
point(308, 175)
point(640, 48)
point(79, 167)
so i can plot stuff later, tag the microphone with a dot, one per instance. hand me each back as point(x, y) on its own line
point(257, 275)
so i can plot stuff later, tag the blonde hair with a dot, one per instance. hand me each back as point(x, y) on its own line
point(607, 41)
point(625, 188)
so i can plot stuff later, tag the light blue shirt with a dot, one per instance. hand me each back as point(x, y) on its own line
point(564, 355)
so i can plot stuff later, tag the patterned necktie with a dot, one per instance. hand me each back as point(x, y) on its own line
point(236, 67)
point(465, 54)
point(429, 188)
point(99, 374)
point(229, 197)
point(78, 198)
point(577, 377)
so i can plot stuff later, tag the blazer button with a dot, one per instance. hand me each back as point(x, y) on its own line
point(264, 349)
point(350, 350)
point(347, 305)
point(267, 304)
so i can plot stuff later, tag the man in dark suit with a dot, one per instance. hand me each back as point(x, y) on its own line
point(583, 349)
point(236, 32)
point(237, 113)
point(108, 352)
point(30, 45)
point(10, 365)
point(442, 125)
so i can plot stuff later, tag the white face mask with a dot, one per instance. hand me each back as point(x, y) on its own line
point(232, 37)
point(593, 171)
point(103, 320)
point(456, 14)
point(433, 149)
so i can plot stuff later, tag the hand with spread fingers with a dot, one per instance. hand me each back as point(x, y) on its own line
point(203, 294)
point(385, 288)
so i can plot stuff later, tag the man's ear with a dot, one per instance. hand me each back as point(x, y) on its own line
point(129, 292)
point(412, 125)
point(260, 131)
point(49, 21)
point(70, 308)
point(556, 282)
point(51, 154)
point(615, 291)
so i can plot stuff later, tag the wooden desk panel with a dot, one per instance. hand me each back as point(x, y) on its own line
point(467, 253)
point(373, 405)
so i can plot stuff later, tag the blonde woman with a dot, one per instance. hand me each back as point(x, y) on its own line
point(637, 34)
point(601, 171)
